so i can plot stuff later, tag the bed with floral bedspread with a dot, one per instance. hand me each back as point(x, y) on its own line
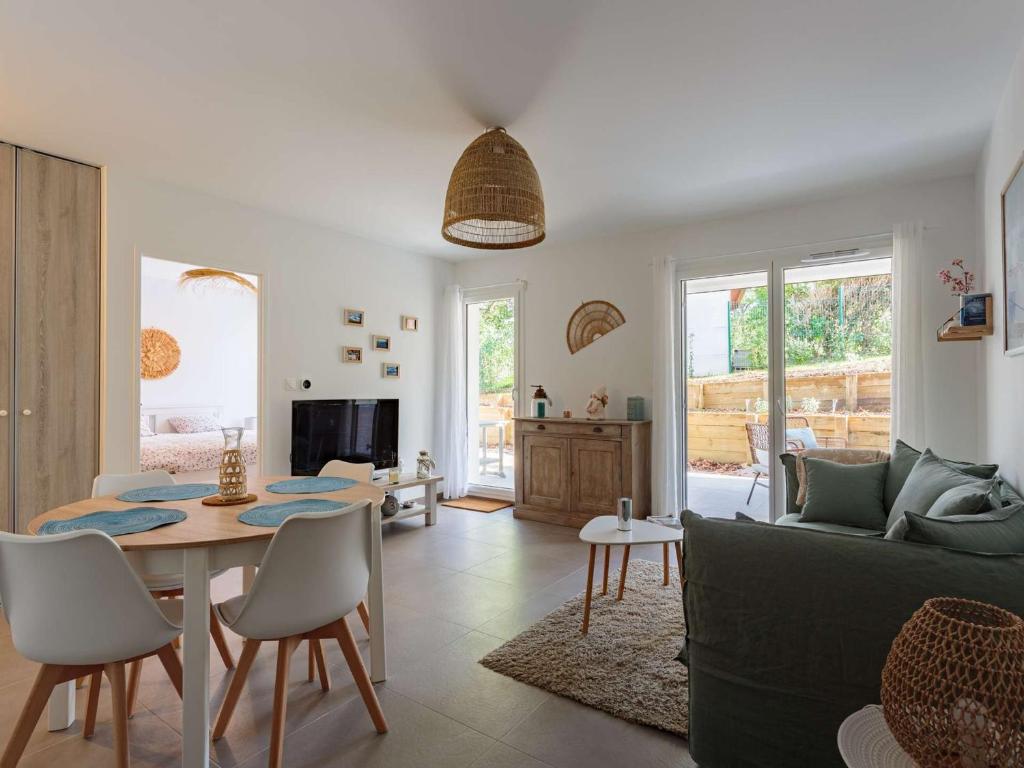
point(190, 452)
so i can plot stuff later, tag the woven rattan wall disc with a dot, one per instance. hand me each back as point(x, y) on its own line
point(160, 354)
point(590, 322)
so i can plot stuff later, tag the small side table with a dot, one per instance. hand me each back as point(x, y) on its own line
point(604, 531)
point(865, 741)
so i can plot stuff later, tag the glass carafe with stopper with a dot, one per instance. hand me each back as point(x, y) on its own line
point(232, 465)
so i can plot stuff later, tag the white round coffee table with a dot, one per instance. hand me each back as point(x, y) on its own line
point(604, 531)
point(865, 741)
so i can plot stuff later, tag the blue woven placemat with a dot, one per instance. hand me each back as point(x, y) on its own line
point(116, 522)
point(169, 492)
point(272, 515)
point(311, 485)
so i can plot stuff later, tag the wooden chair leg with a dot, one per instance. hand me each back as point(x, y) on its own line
point(227, 707)
point(364, 615)
point(80, 682)
point(355, 665)
point(119, 701)
point(47, 677)
point(679, 560)
point(311, 660)
point(217, 633)
point(172, 666)
point(134, 676)
point(321, 665)
point(664, 557)
point(284, 656)
point(590, 589)
point(607, 557)
point(93, 704)
point(622, 574)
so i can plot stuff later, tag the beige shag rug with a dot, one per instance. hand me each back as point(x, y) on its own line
point(626, 665)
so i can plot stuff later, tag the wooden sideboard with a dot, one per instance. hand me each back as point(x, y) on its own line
point(569, 471)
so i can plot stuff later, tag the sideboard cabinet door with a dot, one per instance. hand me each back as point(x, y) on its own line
point(545, 471)
point(596, 476)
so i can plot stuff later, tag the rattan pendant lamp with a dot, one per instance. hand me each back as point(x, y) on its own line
point(494, 198)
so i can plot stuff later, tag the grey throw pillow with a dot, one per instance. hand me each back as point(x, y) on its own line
point(845, 494)
point(998, 531)
point(930, 478)
point(969, 499)
point(902, 461)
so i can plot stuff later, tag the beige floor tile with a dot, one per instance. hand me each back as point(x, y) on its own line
point(569, 735)
point(453, 684)
point(503, 756)
point(419, 738)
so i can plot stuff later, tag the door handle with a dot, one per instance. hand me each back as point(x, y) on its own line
point(598, 429)
point(26, 412)
point(541, 427)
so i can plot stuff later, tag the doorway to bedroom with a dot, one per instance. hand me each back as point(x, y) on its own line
point(199, 367)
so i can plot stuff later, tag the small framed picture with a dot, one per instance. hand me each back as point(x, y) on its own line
point(354, 317)
point(381, 343)
point(351, 354)
point(410, 323)
point(390, 370)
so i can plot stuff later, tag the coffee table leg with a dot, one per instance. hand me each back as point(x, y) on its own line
point(679, 558)
point(590, 588)
point(622, 575)
point(664, 557)
point(607, 557)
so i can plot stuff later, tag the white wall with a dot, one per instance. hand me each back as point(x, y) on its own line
point(217, 332)
point(308, 275)
point(1001, 394)
point(618, 269)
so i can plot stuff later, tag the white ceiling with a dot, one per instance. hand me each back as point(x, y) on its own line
point(637, 114)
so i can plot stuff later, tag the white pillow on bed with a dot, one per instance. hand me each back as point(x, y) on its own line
point(144, 430)
point(190, 424)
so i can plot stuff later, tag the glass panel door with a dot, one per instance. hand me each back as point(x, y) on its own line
point(491, 390)
point(838, 353)
point(725, 359)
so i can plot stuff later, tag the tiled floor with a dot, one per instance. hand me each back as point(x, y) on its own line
point(453, 592)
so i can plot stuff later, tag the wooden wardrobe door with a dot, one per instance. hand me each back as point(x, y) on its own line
point(7, 161)
point(57, 328)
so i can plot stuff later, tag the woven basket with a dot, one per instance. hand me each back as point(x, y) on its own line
point(494, 198)
point(953, 686)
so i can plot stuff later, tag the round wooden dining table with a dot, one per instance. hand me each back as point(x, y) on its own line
point(211, 538)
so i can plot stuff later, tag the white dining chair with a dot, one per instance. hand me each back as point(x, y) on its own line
point(315, 571)
point(362, 473)
point(75, 605)
point(161, 586)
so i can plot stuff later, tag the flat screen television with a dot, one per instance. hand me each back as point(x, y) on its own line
point(358, 431)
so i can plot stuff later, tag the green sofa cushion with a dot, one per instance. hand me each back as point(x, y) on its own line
point(845, 494)
point(999, 531)
point(794, 521)
point(969, 499)
point(902, 461)
point(930, 478)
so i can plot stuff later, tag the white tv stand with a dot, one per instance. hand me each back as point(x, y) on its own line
point(423, 506)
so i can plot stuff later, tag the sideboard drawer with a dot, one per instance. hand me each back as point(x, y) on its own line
point(596, 429)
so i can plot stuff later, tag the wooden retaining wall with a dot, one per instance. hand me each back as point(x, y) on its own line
point(855, 391)
point(722, 435)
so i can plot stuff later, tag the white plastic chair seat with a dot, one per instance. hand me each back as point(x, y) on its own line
point(173, 611)
point(167, 581)
point(229, 611)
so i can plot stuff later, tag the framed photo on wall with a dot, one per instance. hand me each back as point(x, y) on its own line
point(354, 317)
point(410, 323)
point(390, 370)
point(1013, 262)
point(382, 343)
point(351, 354)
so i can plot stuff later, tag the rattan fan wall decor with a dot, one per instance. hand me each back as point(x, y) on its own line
point(953, 685)
point(590, 322)
point(160, 354)
point(494, 198)
point(214, 278)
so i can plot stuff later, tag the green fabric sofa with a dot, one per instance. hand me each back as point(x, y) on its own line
point(788, 631)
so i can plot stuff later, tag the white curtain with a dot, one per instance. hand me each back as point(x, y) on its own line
point(452, 456)
point(666, 413)
point(908, 381)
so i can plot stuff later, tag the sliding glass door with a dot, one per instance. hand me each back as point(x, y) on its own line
point(781, 351)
